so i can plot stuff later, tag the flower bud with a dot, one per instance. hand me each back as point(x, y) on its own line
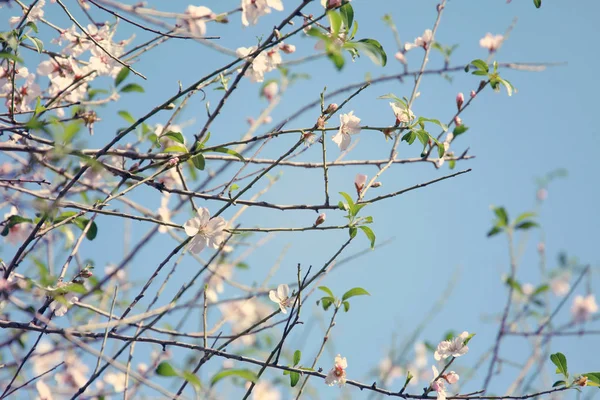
point(473, 94)
point(457, 121)
point(321, 122)
point(287, 48)
point(376, 184)
point(173, 161)
point(542, 194)
point(460, 99)
point(221, 18)
point(451, 377)
point(359, 182)
point(333, 4)
point(400, 57)
point(277, 34)
point(85, 273)
point(320, 219)
point(331, 108)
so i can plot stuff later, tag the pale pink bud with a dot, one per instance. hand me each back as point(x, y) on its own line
point(473, 93)
point(457, 121)
point(541, 247)
point(452, 377)
point(173, 161)
point(321, 122)
point(267, 120)
point(270, 91)
point(85, 273)
point(331, 108)
point(333, 4)
point(359, 182)
point(542, 194)
point(320, 219)
point(287, 48)
point(400, 57)
point(437, 386)
point(460, 99)
point(250, 121)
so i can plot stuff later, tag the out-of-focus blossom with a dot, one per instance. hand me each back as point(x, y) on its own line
point(400, 57)
point(204, 231)
point(388, 372)
point(455, 347)
point(120, 276)
point(337, 374)
point(164, 213)
point(349, 125)
point(542, 194)
point(44, 392)
point(560, 284)
point(270, 91)
point(195, 19)
point(473, 93)
point(116, 380)
point(252, 10)
point(421, 41)
point(264, 62)
point(583, 308)
point(287, 48)
point(34, 15)
point(281, 296)
point(60, 305)
point(19, 232)
point(242, 314)
point(491, 42)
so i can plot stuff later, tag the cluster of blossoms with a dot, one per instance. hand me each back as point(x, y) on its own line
point(262, 63)
point(583, 308)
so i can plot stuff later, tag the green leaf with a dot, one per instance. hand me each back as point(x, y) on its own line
point(347, 13)
point(176, 136)
point(294, 378)
point(357, 291)
point(10, 56)
point(12, 221)
point(336, 58)
point(559, 383)
point(326, 290)
point(373, 49)
point(494, 231)
point(132, 87)
point(176, 149)
point(37, 43)
point(165, 369)
point(326, 302)
point(527, 225)
point(346, 306)
point(297, 355)
point(481, 65)
point(593, 378)
point(245, 374)
point(348, 199)
point(537, 3)
point(123, 73)
point(225, 150)
point(459, 130)
point(369, 233)
point(409, 137)
point(81, 224)
point(434, 121)
point(73, 288)
point(352, 232)
point(335, 20)
point(502, 216)
point(126, 116)
point(192, 379)
point(560, 361)
point(199, 162)
point(524, 216)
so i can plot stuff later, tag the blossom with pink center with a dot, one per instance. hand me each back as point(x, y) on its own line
point(583, 308)
point(337, 374)
point(204, 231)
point(281, 296)
point(402, 112)
point(491, 42)
point(421, 41)
point(455, 347)
point(349, 125)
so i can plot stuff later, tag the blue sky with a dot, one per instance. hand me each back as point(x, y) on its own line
point(437, 231)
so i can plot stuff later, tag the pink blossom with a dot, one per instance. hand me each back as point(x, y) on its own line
point(349, 125)
point(195, 19)
point(359, 182)
point(337, 374)
point(583, 308)
point(421, 41)
point(270, 90)
point(460, 99)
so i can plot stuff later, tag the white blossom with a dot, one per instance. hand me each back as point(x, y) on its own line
point(560, 284)
point(252, 10)
point(349, 125)
point(281, 297)
point(403, 113)
point(61, 304)
point(195, 19)
point(44, 392)
point(337, 374)
point(116, 380)
point(455, 347)
point(438, 385)
point(204, 231)
point(270, 91)
point(491, 42)
point(265, 391)
point(421, 41)
point(583, 307)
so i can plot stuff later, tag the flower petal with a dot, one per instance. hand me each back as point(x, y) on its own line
point(283, 291)
point(273, 296)
point(192, 227)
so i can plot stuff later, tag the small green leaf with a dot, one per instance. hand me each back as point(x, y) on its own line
point(199, 162)
point(81, 224)
point(245, 374)
point(352, 232)
point(481, 65)
point(537, 3)
point(192, 379)
point(347, 13)
point(559, 383)
point(527, 225)
point(434, 121)
point(560, 361)
point(494, 231)
point(10, 56)
point(326, 290)
point(593, 378)
point(348, 199)
point(335, 21)
point(165, 369)
point(369, 233)
point(37, 43)
point(297, 355)
point(294, 378)
point(225, 150)
point(176, 149)
point(73, 288)
point(123, 73)
point(357, 291)
point(346, 306)
point(459, 130)
point(502, 216)
point(373, 49)
point(126, 116)
point(132, 87)
point(176, 136)
point(326, 302)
